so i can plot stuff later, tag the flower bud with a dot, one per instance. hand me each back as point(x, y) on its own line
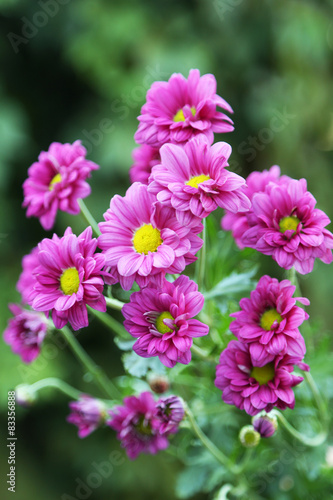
point(265, 424)
point(24, 396)
point(249, 437)
point(158, 383)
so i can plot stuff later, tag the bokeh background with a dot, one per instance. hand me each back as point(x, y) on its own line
point(80, 69)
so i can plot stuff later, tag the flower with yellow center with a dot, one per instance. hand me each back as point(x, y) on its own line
point(160, 326)
point(69, 281)
point(56, 179)
point(197, 179)
point(263, 374)
point(147, 239)
point(289, 224)
point(180, 117)
point(268, 318)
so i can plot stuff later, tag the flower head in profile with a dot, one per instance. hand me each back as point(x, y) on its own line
point(145, 157)
point(25, 332)
point(27, 279)
point(286, 225)
point(253, 386)
point(138, 426)
point(269, 320)
point(194, 181)
point(68, 278)
point(182, 108)
point(265, 424)
point(142, 240)
point(170, 411)
point(162, 319)
point(87, 414)
point(57, 182)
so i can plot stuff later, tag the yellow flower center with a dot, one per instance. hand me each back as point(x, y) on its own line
point(69, 281)
point(196, 180)
point(268, 318)
point(161, 327)
point(147, 239)
point(263, 374)
point(179, 116)
point(289, 223)
point(55, 180)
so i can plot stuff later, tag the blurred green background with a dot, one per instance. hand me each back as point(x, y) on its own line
point(80, 69)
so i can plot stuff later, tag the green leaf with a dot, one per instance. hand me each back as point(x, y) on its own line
point(138, 367)
point(233, 284)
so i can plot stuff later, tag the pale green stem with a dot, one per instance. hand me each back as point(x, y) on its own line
point(223, 493)
point(201, 262)
point(202, 354)
point(89, 218)
point(57, 384)
point(97, 373)
point(114, 303)
point(111, 323)
point(308, 441)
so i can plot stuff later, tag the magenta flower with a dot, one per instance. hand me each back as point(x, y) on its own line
point(170, 411)
point(269, 320)
point(182, 108)
point(68, 278)
point(87, 414)
point(194, 181)
point(57, 181)
point(145, 157)
point(161, 320)
point(27, 279)
point(252, 386)
point(142, 240)
point(286, 225)
point(25, 332)
point(266, 425)
point(137, 425)
point(256, 182)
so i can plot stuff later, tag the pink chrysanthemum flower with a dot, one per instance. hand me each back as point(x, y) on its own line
point(256, 182)
point(287, 226)
point(57, 181)
point(25, 332)
point(137, 425)
point(182, 108)
point(269, 320)
point(161, 320)
point(87, 414)
point(27, 279)
point(194, 181)
point(68, 278)
point(142, 240)
point(253, 387)
point(145, 157)
point(170, 411)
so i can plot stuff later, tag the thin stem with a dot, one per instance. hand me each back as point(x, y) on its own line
point(201, 262)
point(292, 277)
point(57, 384)
point(316, 395)
point(114, 303)
point(96, 372)
point(313, 442)
point(202, 354)
point(111, 323)
point(89, 218)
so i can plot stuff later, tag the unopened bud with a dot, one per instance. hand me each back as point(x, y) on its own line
point(24, 396)
point(249, 437)
point(158, 383)
point(265, 424)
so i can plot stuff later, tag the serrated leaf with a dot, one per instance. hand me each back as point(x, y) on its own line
point(234, 283)
point(138, 367)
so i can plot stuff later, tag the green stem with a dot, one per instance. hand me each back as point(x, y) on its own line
point(97, 373)
point(57, 384)
point(114, 303)
point(292, 277)
point(202, 354)
point(89, 218)
point(308, 441)
point(201, 262)
point(111, 323)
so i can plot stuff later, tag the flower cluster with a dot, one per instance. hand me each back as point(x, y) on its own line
point(143, 425)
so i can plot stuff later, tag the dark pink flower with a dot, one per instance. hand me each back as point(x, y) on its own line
point(269, 320)
point(27, 279)
point(145, 157)
point(25, 332)
point(142, 240)
point(266, 425)
point(57, 181)
point(286, 225)
point(252, 386)
point(194, 181)
point(87, 414)
point(68, 278)
point(137, 425)
point(161, 320)
point(170, 411)
point(182, 108)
